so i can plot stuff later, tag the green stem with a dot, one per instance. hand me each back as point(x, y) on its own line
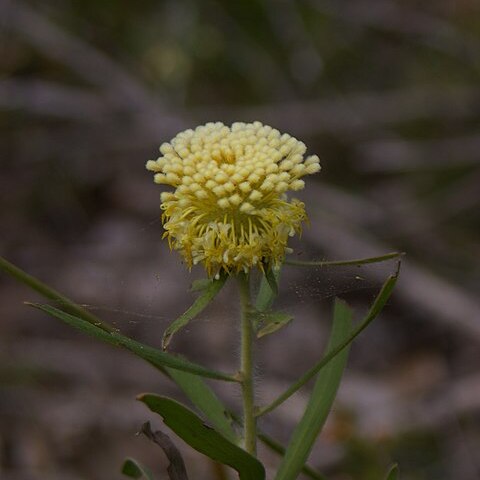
point(246, 366)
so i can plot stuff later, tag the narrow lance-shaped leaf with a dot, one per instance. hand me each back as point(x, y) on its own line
point(133, 469)
point(280, 449)
point(206, 401)
point(272, 322)
point(154, 356)
point(188, 426)
point(277, 447)
point(321, 400)
point(266, 294)
point(208, 293)
point(341, 263)
point(50, 293)
point(199, 393)
point(271, 278)
point(392, 473)
point(375, 309)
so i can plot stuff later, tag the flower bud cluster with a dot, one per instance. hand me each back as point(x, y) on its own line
point(229, 209)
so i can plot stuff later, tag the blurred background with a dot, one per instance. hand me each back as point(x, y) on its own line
point(385, 92)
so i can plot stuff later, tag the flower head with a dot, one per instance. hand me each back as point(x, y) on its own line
point(229, 209)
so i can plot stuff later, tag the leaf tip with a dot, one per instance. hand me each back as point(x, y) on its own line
point(393, 472)
point(397, 271)
point(166, 340)
point(340, 303)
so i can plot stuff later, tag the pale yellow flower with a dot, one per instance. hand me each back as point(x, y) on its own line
point(229, 209)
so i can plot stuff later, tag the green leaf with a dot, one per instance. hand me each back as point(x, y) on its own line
point(152, 355)
point(209, 292)
point(266, 295)
point(272, 322)
point(131, 468)
point(375, 309)
point(280, 449)
point(393, 473)
point(206, 401)
point(272, 281)
point(199, 393)
point(48, 292)
point(188, 426)
point(339, 263)
point(321, 400)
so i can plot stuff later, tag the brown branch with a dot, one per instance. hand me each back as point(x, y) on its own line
point(176, 470)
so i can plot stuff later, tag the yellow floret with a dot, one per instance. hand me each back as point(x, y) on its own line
point(228, 209)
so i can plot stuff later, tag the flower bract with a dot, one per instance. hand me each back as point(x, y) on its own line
point(229, 208)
